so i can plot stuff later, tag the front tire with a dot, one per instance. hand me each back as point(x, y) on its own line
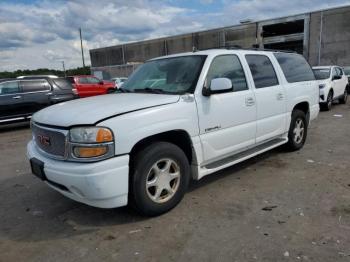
point(297, 131)
point(160, 175)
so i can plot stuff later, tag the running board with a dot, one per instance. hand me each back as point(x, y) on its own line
point(246, 154)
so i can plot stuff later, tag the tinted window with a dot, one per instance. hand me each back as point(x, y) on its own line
point(62, 83)
point(83, 80)
point(347, 70)
point(93, 80)
point(230, 67)
point(71, 79)
point(35, 85)
point(264, 74)
point(9, 88)
point(295, 67)
point(322, 73)
point(339, 71)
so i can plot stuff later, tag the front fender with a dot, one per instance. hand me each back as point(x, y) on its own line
point(135, 126)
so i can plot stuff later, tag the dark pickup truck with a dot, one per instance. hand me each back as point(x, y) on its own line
point(20, 98)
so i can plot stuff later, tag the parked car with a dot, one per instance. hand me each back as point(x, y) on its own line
point(333, 85)
point(119, 81)
point(20, 98)
point(142, 145)
point(91, 86)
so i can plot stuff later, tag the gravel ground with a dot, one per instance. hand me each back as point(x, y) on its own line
point(275, 207)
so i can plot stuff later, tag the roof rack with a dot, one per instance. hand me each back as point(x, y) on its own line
point(237, 47)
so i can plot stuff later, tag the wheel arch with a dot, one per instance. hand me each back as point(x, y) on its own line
point(179, 138)
point(305, 107)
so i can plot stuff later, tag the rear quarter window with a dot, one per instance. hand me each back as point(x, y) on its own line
point(62, 83)
point(295, 67)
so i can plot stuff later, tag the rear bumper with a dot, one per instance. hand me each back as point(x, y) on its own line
point(102, 184)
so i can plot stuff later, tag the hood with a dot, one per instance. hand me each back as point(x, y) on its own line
point(88, 111)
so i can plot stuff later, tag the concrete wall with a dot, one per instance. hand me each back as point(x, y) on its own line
point(334, 47)
point(335, 37)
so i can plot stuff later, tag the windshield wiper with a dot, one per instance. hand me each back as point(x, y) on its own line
point(152, 90)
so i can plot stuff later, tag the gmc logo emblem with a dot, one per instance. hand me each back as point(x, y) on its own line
point(44, 140)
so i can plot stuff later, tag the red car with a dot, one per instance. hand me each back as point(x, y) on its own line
point(87, 85)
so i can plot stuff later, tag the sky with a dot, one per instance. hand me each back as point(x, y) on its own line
point(43, 33)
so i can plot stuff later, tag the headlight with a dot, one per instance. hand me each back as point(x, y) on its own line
point(90, 135)
point(322, 86)
point(91, 143)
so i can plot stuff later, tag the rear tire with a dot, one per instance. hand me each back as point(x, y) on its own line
point(297, 131)
point(344, 97)
point(110, 91)
point(160, 175)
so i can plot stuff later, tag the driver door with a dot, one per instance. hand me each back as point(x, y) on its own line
point(227, 120)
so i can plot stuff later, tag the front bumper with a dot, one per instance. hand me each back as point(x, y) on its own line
point(102, 184)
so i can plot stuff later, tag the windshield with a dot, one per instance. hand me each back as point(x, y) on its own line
point(177, 75)
point(347, 70)
point(321, 74)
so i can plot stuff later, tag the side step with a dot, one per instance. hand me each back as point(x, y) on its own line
point(243, 155)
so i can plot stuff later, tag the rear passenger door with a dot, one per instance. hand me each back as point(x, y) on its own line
point(36, 94)
point(226, 120)
point(11, 104)
point(270, 97)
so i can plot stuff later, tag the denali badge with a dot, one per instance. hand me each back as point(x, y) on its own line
point(44, 140)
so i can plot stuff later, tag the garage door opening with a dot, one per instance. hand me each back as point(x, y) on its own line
point(282, 29)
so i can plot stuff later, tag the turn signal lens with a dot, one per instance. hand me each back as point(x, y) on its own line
point(86, 152)
point(104, 135)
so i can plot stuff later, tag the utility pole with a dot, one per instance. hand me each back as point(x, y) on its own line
point(64, 69)
point(81, 45)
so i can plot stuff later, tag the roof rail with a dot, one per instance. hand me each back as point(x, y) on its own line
point(237, 47)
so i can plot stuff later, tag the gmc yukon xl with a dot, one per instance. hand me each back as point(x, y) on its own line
point(202, 112)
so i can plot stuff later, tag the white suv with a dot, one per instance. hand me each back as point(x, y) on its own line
point(333, 85)
point(142, 145)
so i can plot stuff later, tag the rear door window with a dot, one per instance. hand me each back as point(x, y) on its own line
point(10, 87)
point(83, 80)
point(35, 86)
point(262, 70)
point(295, 67)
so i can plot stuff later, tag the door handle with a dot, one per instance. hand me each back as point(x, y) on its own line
point(249, 101)
point(16, 97)
point(279, 96)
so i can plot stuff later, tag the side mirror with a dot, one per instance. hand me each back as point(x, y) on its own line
point(336, 77)
point(218, 86)
point(101, 82)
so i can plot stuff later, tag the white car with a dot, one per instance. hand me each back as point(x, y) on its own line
point(119, 81)
point(333, 85)
point(142, 145)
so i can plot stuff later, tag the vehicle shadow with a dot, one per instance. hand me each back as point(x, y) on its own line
point(34, 212)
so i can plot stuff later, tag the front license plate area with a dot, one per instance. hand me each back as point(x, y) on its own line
point(37, 167)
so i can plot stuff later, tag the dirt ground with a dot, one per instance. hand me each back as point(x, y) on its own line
point(276, 207)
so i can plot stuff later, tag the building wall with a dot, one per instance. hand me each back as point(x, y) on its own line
point(335, 37)
point(334, 47)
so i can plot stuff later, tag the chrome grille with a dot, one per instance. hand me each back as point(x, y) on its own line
point(50, 140)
